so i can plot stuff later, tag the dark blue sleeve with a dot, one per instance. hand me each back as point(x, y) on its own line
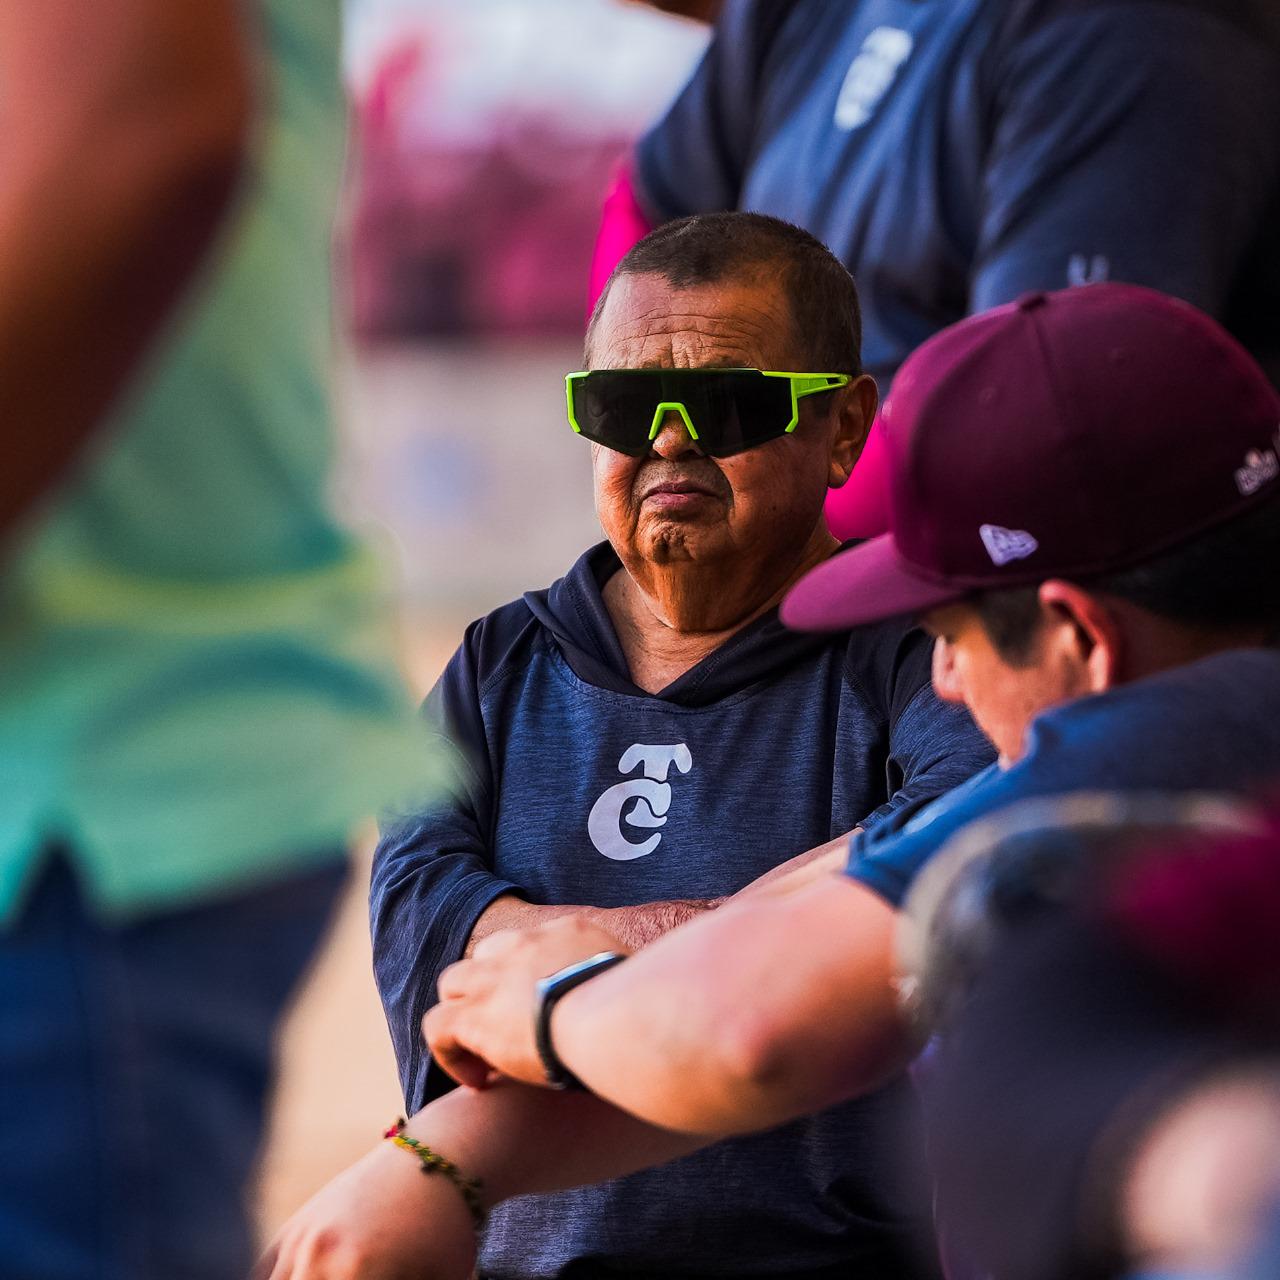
point(432, 876)
point(693, 160)
point(1131, 141)
point(933, 746)
point(888, 858)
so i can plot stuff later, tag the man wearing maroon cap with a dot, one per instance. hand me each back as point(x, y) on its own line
point(1086, 514)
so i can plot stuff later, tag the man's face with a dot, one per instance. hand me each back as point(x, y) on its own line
point(1002, 698)
point(676, 504)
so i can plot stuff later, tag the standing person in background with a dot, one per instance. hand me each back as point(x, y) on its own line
point(955, 154)
point(195, 705)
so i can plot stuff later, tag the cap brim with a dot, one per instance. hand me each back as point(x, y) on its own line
point(866, 583)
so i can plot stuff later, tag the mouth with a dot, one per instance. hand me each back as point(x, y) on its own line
point(679, 498)
point(679, 488)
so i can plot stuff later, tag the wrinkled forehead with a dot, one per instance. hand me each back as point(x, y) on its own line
point(648, 323)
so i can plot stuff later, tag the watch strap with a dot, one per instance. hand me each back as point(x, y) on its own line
point(549, 991)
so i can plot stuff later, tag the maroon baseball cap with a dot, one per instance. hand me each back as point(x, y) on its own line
point(1062, 435)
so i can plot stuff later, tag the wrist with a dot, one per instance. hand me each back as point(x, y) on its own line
point(437, 1229)
point(434, 1162)
point(550, 992)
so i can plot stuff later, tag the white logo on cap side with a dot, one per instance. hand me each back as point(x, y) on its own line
point(1005, 545)
point(1261, 466)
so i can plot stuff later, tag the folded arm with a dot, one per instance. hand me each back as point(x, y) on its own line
point(637, 926)
point(384, 1220)
point(787, 1003)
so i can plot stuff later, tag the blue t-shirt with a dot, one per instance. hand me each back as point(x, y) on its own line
point(1211, 726)
point(956, 153)
point(582, 788)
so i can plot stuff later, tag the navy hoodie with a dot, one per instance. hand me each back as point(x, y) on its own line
point(579, 787)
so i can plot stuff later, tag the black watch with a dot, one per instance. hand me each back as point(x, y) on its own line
point(549, 990)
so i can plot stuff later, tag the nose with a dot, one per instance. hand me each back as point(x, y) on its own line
point(673, 440)
point(946, 677)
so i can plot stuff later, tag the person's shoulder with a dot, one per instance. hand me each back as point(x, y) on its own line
point(888, 662)
point(1226, 685)
point(489, 639)
point(501, 638)
point(1222, 705)
point(1257, 19)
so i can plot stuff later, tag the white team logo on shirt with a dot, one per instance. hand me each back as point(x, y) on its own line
point(870, 74)
point(1004, 545)
point(652, 796)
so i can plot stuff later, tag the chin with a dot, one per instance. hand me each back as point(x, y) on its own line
point(676, 540)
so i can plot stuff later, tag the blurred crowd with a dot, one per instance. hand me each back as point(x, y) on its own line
point(865, 860)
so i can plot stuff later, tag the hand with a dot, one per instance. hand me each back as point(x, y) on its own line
point(484, 1021)
point(382, 1219)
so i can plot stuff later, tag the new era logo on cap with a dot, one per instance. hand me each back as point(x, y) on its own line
point(1006, 545)
point(1261, 466)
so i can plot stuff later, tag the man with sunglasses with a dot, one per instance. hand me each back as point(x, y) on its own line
point(644, 738)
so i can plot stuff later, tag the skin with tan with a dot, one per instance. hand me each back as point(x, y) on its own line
point(707, 544)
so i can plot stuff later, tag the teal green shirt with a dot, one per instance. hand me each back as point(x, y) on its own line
point(195, 684)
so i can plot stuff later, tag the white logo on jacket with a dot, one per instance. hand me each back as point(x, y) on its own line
point(870, 74)
point(652, 796)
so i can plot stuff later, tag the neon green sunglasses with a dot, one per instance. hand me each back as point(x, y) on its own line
point(725, 411)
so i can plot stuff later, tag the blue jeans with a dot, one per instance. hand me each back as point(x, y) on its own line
point(135, 1066)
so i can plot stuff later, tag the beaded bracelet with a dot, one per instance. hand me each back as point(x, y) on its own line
point(471, 1188)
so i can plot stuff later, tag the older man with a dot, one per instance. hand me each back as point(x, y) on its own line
point(645, 738)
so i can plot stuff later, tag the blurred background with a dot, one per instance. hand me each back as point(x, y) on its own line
point(485, 136)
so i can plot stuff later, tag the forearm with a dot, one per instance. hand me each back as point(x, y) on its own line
point(126, 132)
point(803, 869)
point(520, 1140)
point(383, 1217)
point(786, 1004)
point(634, 927)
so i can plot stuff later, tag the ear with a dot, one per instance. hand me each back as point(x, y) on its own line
point(1089, 636)
point(854, 409)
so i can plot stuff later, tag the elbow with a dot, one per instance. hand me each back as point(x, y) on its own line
point(741, 1080)
point(775, 1073)
point(759, 1067)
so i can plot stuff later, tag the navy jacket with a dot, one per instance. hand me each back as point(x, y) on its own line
point(582, 788)
point(957, 153)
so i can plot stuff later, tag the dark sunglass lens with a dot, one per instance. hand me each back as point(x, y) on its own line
point(751, 410)
point(614, 408)
point(731, 409)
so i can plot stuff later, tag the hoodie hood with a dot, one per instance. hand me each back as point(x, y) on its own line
point(573, 611)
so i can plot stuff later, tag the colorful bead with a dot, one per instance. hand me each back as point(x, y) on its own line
point(471, 1189)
